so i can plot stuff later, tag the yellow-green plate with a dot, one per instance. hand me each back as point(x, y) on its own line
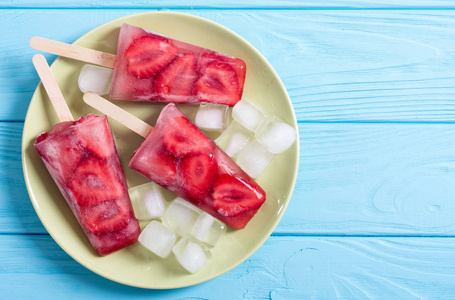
point(134, 265)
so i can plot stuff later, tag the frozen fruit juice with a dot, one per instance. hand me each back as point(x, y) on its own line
point(82, 159)
point(179, 157)
point(152, 67)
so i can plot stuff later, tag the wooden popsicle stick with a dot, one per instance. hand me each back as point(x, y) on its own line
point(75, 52)
point(118, 114)
point(52, 89)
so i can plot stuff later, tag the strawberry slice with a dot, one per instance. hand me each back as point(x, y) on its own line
point(94, 134)
point(106, 216)
point(233, 196)
point(61, 153)
point(95, 181)
point(177, 79)
point(147, 55)
point(181, 138)
point(237, 64)
point(112, 241)
point(218, 84)
point(155, 164)
point(198, 174)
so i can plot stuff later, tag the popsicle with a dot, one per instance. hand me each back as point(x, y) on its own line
point(82, 159)
point(178, 156)
point(152, 67)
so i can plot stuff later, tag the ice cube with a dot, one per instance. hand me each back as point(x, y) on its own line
point(191, 253)
point(248, 114)
point(95, 79)
point(180, 216)
point(275, 135)
point(237, 142)
point(157, 238)
point(208, 229)
point(254, 159)
point(212, 116)
point(147, 200)
point(234, 139)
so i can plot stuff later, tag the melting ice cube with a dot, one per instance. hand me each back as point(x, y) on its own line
point(157, 238)
point(180, 216)
point(254, 159)
point(147, 200)
point(95, 79)
point(208, 229)
point(248, 114)
point(212, 116)
point(275, 135)
point(234, 139)
point(191, 253)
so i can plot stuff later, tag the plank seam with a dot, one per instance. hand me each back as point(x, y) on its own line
point(263, 8)
point(292, 234)
point(303, 235)
point(373, 122)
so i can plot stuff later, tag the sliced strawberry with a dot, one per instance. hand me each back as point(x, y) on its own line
point(233, 196)
point(112, 241)
point(95, 181)
point(94, 134)
point(61, 153)
point(156, 164)
point(106, 216)
point(147, 55)
point(218, 84)
point(237, 64)
point(198, 174)
point(177, 79)
point(181, 138)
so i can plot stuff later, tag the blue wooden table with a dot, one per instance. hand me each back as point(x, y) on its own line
point(373, 211)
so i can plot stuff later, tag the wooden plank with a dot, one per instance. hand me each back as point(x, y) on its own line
point(223, 4)
point(283, 268)
point(355, 179)
point(374, 179)
point(19, 78)
point(16, 211)
point(329, 60)
point(340, 73)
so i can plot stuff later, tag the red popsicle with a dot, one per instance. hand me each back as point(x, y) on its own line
point(83, 161)
point(152, 67)
point(182, 159)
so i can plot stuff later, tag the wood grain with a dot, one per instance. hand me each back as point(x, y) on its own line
point(372, 84)
point(223, 4)
point(283, 268)
point(333, 69)
point(16, 211)
point(355, 179)
point(53, 90)
point(374, 178)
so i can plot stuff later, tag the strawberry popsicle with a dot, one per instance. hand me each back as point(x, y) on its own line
point(82, 159)
point(182, 159)
point(152, 67)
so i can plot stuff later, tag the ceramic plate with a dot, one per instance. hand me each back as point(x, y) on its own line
point(134, 265)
